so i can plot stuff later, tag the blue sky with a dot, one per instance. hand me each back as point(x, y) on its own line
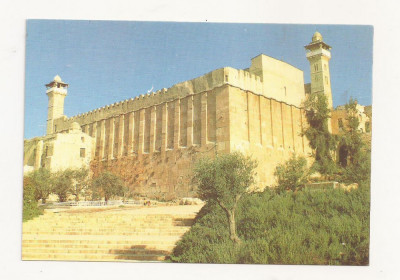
point(108, 61)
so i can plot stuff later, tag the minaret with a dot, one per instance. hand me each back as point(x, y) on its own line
point(318, 55)
point(56, 91)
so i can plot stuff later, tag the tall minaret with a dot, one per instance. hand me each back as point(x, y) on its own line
point(318, 55)
point(56, 91)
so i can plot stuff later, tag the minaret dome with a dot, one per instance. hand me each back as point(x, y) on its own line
point(317, 37)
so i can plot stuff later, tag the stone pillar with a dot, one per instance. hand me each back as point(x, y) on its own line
point(164, 127)
point(302, 128)
point(141, 131)
point(249, 120)
point(130, 133)
point(102, 149)
point(222, 124)
point(204, 119)
point(197, 119)
point(38, 155)
point(85, 128)
point(177, 124)
point(292, 123)
point(189, 121)
point(94, 130)
point(121, 136)
point(260, 119)
point(153, 120)
point(110, 151)
point(271, 122)
point(283, 125)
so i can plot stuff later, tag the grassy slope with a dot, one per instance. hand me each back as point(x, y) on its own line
point(305, 227)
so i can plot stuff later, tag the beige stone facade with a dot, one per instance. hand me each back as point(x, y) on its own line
point(339, 119)
point(59, 151)
point(153, 140)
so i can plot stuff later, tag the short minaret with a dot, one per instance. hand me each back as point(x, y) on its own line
point(318, 55)
point(56, 91)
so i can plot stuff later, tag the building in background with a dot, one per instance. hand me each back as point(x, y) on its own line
point(153, 140)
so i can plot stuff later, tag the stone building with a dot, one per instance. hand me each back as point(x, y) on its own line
point(339, 119)
point(153, 140)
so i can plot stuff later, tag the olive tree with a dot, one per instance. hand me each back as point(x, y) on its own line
point(80, 182)
point(108, 185)
point(62, 184)
point(225, 180)
point(41, 181)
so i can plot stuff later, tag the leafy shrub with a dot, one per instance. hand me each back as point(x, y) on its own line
point(322, 142)
point(304, 227)
point(62, 184)
point(292, 174)
point(41, 181)
point(356, 166)
point(30, 207)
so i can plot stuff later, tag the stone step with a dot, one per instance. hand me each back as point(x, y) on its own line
point(98, 239)
point(109, 224)
point(72, 220)
point(133, 233)
point(104, 226)
point(27, 246)
point(147, 234)
point(124, 251)
point(117, 216)
point(91, 257)
point(105, 231)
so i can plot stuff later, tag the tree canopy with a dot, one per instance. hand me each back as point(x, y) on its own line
point(224, 180)
point(357, 164)
point(108, 185)
point(41, 181)
point(320, 138)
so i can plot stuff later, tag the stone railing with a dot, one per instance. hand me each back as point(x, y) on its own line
point(94, 203)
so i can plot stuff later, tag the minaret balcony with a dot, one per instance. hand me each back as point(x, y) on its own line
point(62, 91)
point(318, 52)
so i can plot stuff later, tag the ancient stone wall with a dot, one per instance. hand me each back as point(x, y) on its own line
point(152, 141)
point(268, 130)
point(154, 150)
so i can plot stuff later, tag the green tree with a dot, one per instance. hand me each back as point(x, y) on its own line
point(30, 206)
point(292, 174)
point(80, 182)
point(357, 164)
point(225, 180)
point(62, 184)
point(41, 181)
point(108, 185)
point(321, 140)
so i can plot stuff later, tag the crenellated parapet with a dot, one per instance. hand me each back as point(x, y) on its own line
point(217, 78)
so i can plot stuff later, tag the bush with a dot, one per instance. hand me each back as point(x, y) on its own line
point(62, 184)
point(304, 227)
point(322, 142)
point(291, 175)
point(30, 207)
point(107, 185)
point(41, 181)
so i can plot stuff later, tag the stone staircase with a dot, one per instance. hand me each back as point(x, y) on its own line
point(117, 234)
